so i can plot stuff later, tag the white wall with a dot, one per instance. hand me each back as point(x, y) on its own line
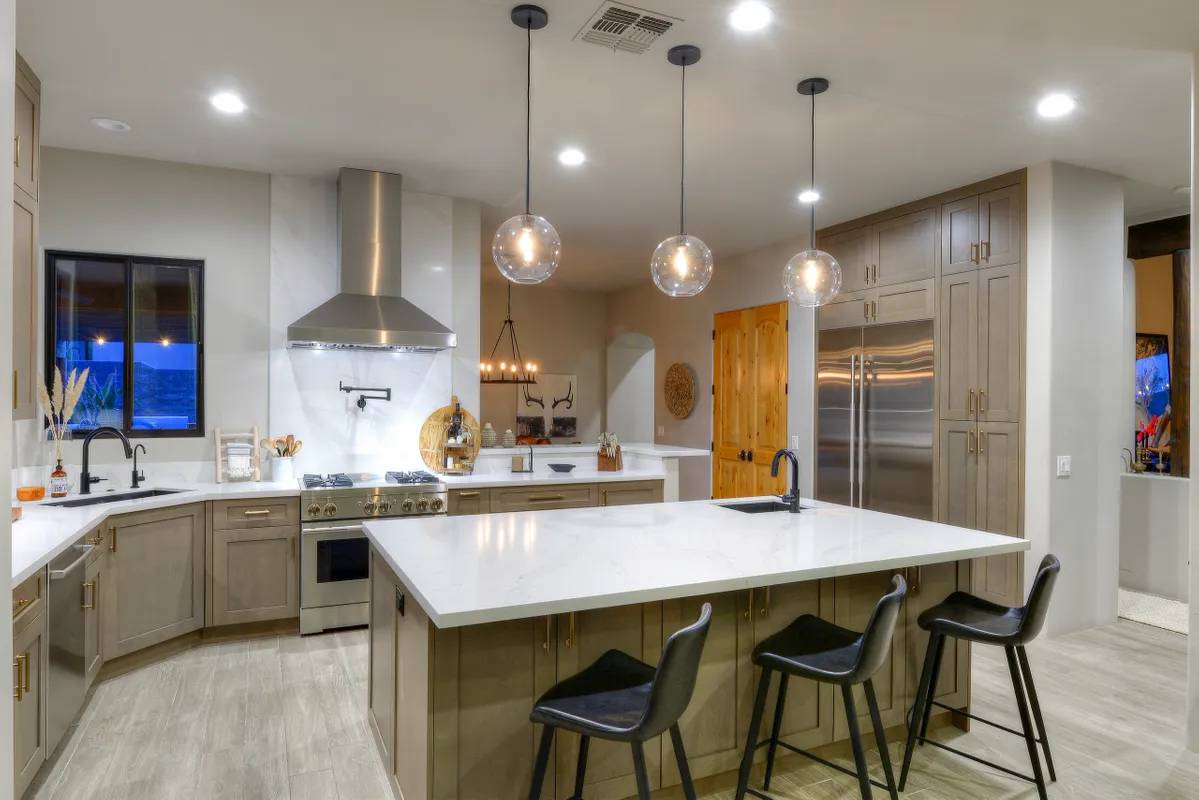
point(114, 204)
point(680, 329)
point(441, 275)
point(1155, 535)
point(1193, 641)
point(7, 82)
point(631, 388)
point(1075, 386)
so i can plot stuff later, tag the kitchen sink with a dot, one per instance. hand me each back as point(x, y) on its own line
point(760, 507)
point(115, 497)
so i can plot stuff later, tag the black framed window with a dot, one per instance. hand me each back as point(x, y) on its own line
point(137, 323)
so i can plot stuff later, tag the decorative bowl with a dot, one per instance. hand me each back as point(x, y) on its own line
point(561, 467)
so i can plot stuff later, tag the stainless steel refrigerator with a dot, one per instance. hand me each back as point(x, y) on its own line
point(875, 417)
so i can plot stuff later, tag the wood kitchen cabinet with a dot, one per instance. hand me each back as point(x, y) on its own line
point(31, 653)
point(254, 575)
point(980, 345)
point(381, 683)
point(155, 578)
point(582, 638)
point(27, 130)
point(532, 498)
point(999, 578)
point(928, 586)
point(854, 600)
point(26, 174)
point(630, 493)
point(95, 582)
point(463, 502)
point(903, 302)
point(901, 249)
point(983, 230)
point(854, 251)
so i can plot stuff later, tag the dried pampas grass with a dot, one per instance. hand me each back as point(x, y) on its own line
point(59, 402)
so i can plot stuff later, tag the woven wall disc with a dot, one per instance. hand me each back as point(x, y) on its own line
point(679, 388)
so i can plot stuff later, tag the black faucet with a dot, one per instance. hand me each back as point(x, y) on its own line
point(85, 478)
point(792, 497)
point(138, 476)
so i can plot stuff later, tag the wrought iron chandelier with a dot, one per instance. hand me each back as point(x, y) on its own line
point(510, 368)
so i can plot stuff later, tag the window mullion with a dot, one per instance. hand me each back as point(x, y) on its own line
point(127, 389)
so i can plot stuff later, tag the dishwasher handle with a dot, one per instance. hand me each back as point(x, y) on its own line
point(59, 574)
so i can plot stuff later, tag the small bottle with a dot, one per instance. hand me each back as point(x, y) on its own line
point(58, 481)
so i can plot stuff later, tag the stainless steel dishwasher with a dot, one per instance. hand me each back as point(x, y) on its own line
point(65, 679)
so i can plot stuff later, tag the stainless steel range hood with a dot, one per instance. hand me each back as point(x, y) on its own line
point(368, 312)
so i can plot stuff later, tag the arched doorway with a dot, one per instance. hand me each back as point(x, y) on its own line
point(630, 413)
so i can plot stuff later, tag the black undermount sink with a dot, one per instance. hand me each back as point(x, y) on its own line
point(114, 497)
point(760, 507)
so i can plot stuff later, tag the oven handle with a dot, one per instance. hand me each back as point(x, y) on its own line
point(332, 529)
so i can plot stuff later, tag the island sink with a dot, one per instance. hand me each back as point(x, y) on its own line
point(115, 497)
point(760, 507)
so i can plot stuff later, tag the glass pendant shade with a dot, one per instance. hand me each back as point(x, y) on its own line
point(681, 266)
point(526, 249)
point(812, 278)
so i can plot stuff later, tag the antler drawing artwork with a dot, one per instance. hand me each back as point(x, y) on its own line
point(530, 400)
point(569, 400)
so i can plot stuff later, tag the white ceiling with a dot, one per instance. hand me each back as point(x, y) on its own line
point(926, 95)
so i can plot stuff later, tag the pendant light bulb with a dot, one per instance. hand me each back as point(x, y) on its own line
point(681, 265)
point(526, 248)
point(812, 277)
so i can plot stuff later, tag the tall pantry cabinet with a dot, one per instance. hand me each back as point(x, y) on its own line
point(26, 178)
point(957, 258)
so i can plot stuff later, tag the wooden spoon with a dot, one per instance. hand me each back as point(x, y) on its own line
point(296, 448)
point(291, 443)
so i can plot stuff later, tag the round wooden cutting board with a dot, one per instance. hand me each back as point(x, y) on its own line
point(432, 436)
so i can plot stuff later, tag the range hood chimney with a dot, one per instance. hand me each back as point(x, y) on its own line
point(368, 312)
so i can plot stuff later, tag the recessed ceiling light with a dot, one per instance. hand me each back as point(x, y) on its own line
point(572, 157)
point(751, 15)
point(809, 196)
point(227, 102)
point(1055, 105)
point(112, 125)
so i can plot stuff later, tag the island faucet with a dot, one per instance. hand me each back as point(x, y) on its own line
point(138, 475)
point(792, 497)
point(85, 478)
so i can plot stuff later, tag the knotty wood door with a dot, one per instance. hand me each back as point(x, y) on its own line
point(749, 409)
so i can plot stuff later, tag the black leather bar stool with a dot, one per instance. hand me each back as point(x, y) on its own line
point(964, 616)
point(625, 700)
point(812, 648)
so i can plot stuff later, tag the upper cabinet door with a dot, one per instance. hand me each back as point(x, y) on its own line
point(24, 309)
point(25, 137)
point(999, 225)
point(845, 311)
point(906, 248)
point(854, 251)
point(958, 361)
point(999, 344)
point(959, 236)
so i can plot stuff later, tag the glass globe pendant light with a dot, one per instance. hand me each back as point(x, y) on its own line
point(812, 277)
point(526, 248)
point(682, 265)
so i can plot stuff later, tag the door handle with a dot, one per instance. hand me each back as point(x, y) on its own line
point(876, 273)
point(112, 539)
point(467, 495)
point(570, 630)
point(972, 406)
point(974, 258)
point(549, 632)
point(258, 512)
point(970, 441)
point(982, 401)
point(915, 574)
point(749, 609)
point(749, 455)
point(865, 310)
point(16, 689)
point(985, 248)
point(874, 310)
point(982, 437)
point(866, 277)
point(84, 604)
point(24, 659)
point(546, 498)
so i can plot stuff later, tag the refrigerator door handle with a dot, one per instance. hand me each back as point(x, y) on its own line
point(861, 437)
point(852, 421)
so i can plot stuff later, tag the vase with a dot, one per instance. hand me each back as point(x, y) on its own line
point(490, 437)
point(55, 452)
point(509, 438)
point(283, 469)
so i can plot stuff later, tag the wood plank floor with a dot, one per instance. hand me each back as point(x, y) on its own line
point(284, 717)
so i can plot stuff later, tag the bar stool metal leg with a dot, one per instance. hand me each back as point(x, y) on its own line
point(680, 756)
point(581, 768)
point(543, 760)
point(1036, 708)
point(1026, 721)
point(751, 742)
point(855, 738)
point(938, 658)
point(923, 695)
point(639, 771)
point(880, 738)
point(779, 707)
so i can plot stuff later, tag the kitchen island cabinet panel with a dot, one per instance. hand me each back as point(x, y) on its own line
point(855, 598)
point(630, 493)
point(94, 587)
point(469, 501)
point(522, 498)
point(155, 578)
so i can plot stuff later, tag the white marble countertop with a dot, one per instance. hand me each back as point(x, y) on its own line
point(637, 448)
point(44, 532)
point(475, 569)
point(543, 476)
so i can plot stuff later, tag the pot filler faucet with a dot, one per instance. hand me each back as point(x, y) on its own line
point(85, 478)
point(792, 497)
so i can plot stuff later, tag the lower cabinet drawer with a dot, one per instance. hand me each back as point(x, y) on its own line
point(540, 497)
point(630, 493)
point(269, 511)
point(28, 599)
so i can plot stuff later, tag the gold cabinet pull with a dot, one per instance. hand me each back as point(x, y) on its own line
point(974, 258)
point(17, 690)
point(764, 611)
point(467, 495)
point(874, 310)
point(970, 441)
point(749, 610)
point(570, 630)
point(985, 247)
point(549, 631)
point(112, 539)
point(982, 437)
point(15, 379)
point(866, 309)
point(982, 401)
point(972, 401)
point(16, 159)
point(915, 575)
point(83, 603)
point(257, 512)
point(546, 498)
point(875, 273)
point(866, 277)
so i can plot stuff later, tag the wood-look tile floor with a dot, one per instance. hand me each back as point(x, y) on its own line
point(284, 717)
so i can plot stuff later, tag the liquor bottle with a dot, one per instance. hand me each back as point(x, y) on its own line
point(58, 481)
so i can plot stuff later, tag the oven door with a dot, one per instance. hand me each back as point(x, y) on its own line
point(334, 564)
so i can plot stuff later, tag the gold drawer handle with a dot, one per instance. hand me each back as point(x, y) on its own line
point(749, 609)
point(765, 609)
point(974, 255)
point(467, 495)
point(970, 441)
point(546, 498)
point(549, 632)
point(258, 512)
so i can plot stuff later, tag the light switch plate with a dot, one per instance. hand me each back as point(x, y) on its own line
point(661, 430)
point(1063, 466)
point(795, 443)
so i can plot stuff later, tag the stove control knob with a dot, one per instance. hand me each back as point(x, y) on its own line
point(369, 508)
point(330, 509)
point(407, 506)
point(384, 507)
point(314, 510)
point(437, 504)
point(422, 505)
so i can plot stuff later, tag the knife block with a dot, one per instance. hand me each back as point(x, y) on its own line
point(610, 463)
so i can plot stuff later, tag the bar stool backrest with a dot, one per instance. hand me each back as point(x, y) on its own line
point(876, 639)
point(1037, 607)
point(674, 682)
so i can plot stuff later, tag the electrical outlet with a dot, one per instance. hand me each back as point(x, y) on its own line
point(1063, 466)
point(661, 430)
point(795, 443)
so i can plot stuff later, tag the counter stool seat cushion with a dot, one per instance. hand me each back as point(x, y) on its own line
point(964, 616)
point(811, 647)
point(607, 699)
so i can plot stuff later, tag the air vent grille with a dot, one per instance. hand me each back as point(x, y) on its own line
point(620, 27)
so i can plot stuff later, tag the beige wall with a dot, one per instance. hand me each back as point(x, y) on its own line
point(114, 204)
point(564, 332)
point(1155, 296)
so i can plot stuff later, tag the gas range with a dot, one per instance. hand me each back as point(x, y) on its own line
point(353, 496)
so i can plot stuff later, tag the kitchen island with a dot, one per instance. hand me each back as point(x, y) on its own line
point(472, 618)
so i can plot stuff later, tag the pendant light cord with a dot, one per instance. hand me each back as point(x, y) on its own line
point(683, 154)
point(528, 116)
point(812, 183)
